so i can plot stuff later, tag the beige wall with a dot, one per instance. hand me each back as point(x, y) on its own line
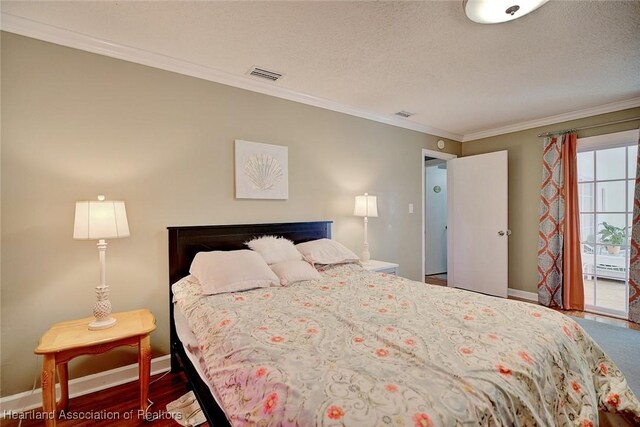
point(525, 175)
point(75, 125)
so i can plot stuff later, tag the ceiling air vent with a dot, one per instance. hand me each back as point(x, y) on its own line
point(265, 74)
point(404, 114)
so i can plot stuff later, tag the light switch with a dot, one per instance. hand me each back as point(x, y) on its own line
point(410, 207)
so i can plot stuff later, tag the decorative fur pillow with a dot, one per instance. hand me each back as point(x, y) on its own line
point(274, 249)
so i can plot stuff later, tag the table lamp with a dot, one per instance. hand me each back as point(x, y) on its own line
point(366, 206)
point(100, 220)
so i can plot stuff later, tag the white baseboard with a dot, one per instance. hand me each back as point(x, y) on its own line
point(529, 296)
point(84, 385)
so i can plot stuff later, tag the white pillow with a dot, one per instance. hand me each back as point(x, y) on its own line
point(274, 249)
point(231, 271)
point(326, 251)
point(295, 271)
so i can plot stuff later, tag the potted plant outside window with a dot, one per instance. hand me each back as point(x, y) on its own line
point(613, 237)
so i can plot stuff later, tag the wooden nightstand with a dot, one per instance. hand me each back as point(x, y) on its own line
point(66, 340)
point(381, 266)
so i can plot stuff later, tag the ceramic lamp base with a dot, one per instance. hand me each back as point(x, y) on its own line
point(102, 324)
point(365, 256)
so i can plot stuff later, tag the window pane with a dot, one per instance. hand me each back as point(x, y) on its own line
point(606, 235)
point(609, 228)
point(589, 281)
point(611, 269)
point(610, 196)
point(632, 153)
point(585, 166)
point(609, 163)
point(611, 290)
point(587, 236)
point(585, 197)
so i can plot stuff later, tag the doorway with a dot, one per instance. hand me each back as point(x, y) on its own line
point(434, 216)
point(435, 200)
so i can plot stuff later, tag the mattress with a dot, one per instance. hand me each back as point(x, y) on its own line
point(359, 348)
point(191, 349)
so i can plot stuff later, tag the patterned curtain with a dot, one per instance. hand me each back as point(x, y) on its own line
point(634, 271)
point(549, 231)
point(560, 281)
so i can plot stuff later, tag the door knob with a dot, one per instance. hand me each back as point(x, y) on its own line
point(500, 233)
point(508, 232)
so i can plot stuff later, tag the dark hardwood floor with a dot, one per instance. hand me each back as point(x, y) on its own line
point(117, 403)
point(601, 318)
point(592, 316)
point(433, 280)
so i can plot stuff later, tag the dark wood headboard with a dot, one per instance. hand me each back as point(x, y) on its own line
point(184, 243)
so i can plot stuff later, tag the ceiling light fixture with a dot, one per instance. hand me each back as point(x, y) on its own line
point(496, 11)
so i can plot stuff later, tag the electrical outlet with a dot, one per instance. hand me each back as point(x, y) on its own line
point(410, 207)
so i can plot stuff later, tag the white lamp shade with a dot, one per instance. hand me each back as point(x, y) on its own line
point(366, 206)
point(100, 220)
point(495, 11)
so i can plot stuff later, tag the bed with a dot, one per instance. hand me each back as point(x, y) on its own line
point(361, 348)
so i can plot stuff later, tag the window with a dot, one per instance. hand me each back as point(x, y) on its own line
point(606, 180)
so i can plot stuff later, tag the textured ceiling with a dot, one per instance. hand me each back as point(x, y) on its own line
point(424, 57)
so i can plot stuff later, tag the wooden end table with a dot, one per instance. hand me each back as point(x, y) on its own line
point(66, 340)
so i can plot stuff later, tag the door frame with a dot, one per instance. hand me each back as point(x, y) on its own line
point(442, 156)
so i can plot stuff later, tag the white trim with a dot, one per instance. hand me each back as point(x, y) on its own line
point(594, 310)
point(552, 120)
point(84, 385)
point(38, 30)
point(436, 155)
point(609, 140)
point(529, 296)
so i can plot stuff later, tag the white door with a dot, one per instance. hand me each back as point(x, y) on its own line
point(478, 226)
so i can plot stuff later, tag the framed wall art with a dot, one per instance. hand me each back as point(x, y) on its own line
point(262, 170)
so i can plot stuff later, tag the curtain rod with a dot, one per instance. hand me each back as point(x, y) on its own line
point(557, 132)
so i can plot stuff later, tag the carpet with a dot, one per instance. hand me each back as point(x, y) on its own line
point(622, 345)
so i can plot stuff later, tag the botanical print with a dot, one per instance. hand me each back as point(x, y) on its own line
point(261, 170)
point(363, 348)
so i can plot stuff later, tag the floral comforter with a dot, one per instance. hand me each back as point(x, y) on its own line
point(367, 349)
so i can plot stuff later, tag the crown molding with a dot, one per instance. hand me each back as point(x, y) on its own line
point(554, 120)
point(63, 37)
point(37, 30)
